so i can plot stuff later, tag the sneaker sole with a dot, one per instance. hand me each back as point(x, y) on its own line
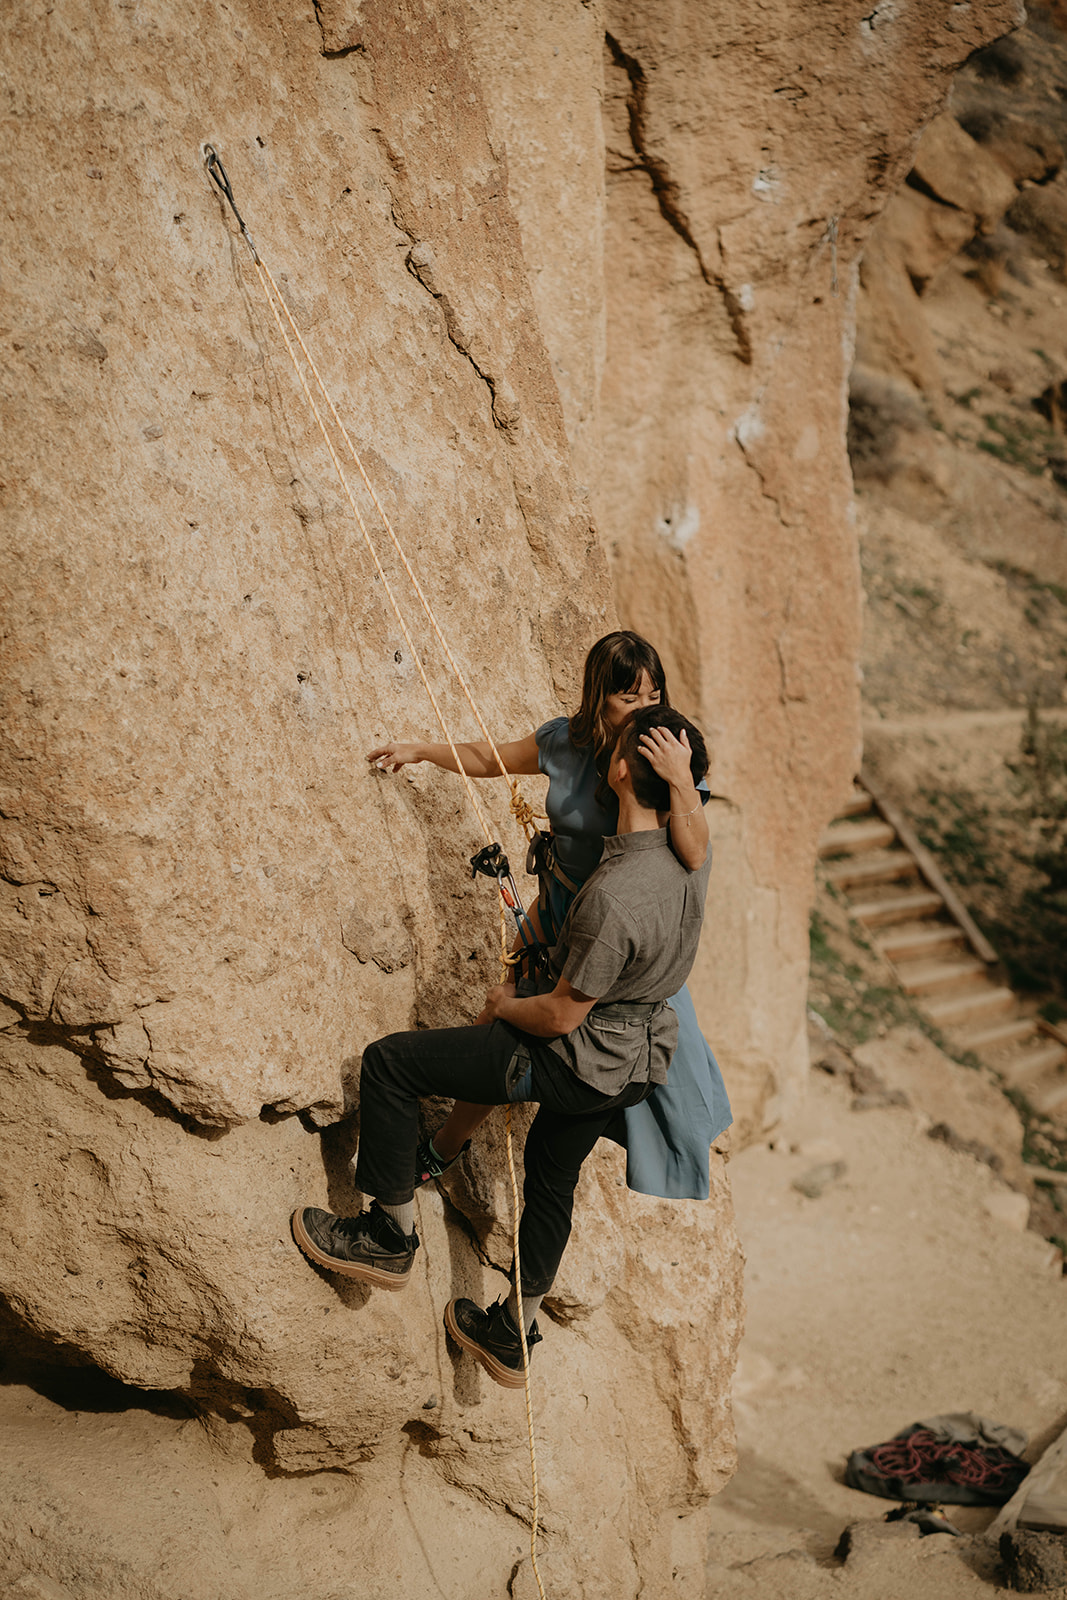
point(507, 1377)
point(378, 1276)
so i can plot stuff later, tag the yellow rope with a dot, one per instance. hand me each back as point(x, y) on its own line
point(525, 1352)
point(519, 806)
point(524, 813)
point(346, 486)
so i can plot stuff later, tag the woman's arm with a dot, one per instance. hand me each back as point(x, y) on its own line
point(669, 759)
point(518, 755)
point(689, 828)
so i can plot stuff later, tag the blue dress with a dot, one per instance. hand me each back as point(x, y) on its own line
point(668, 1136)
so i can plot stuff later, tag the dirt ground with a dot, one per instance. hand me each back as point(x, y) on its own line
point(963, 537)
point(896, 1295)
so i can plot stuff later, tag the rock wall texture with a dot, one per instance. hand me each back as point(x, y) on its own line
point(951, 427)
point(745, 157)
point(581, 278)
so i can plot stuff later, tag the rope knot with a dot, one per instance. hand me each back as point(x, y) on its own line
point(523, 811)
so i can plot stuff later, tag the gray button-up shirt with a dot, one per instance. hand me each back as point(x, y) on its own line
point(630, 936)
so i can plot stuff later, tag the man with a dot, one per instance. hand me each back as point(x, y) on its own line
point(594, 1039)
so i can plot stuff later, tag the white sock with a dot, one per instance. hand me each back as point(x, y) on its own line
point(531, 1305)
point(403, 1216)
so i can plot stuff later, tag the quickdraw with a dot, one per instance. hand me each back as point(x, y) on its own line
point(493, 863)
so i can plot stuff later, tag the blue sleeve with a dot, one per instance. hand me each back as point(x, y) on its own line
point(553, 743)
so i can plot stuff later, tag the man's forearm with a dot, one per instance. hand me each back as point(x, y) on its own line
point(546, 1016)
point(539, 1014)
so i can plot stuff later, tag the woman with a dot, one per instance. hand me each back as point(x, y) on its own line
point(667, 1137)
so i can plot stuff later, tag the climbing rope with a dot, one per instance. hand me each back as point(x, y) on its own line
point(490, 861)
point(922, 1457)
point(521, 810)
point(525, 1351)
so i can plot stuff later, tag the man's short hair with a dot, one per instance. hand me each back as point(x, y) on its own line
point(650, 790)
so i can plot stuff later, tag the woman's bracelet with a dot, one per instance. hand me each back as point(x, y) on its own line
point(686, 813)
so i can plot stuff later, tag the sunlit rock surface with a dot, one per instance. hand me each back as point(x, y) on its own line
point(580, 279)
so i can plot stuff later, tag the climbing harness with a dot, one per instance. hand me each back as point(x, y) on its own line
point(490, 861)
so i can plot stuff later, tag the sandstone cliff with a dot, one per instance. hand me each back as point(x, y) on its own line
point(958, 419)
point(581, 278)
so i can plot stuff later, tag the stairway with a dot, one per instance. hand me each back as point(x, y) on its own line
point(894, 888)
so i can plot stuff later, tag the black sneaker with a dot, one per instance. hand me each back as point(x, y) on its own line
point(429, 1165)
point(370, 1246)
point(492, 1338)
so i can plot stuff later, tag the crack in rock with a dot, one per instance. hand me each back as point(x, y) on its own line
point(505, 403)
point(341, 27)
point(668, 194)
point(745, 431)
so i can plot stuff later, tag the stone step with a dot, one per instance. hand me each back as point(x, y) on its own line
point(882, 866)
point(898, 908)
point(998, 1034)
point(1045, 1174)
point(857, 805)
point(958, 1009)
point(910, 944)
point(1051, 1100)
point(930, 977)
point(853, 838)
point(1030, 1064)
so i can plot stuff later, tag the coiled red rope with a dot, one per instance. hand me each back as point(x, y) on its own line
point(924, 1458)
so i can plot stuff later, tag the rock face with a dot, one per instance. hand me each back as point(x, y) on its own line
point(965, 268)
point(956, 190)
point(738, 200)
point(581, 281)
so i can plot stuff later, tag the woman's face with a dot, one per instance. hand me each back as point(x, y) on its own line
point(619, 708)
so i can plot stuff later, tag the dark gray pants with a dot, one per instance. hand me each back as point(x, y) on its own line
point(479, 1064)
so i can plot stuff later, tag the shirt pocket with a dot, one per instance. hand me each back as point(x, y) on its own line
point(615, 1028)
point(617, 1044)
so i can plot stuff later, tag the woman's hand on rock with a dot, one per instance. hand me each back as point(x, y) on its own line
point(391, 757)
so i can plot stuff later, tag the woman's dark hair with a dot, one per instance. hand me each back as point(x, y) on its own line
point(613, 666)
